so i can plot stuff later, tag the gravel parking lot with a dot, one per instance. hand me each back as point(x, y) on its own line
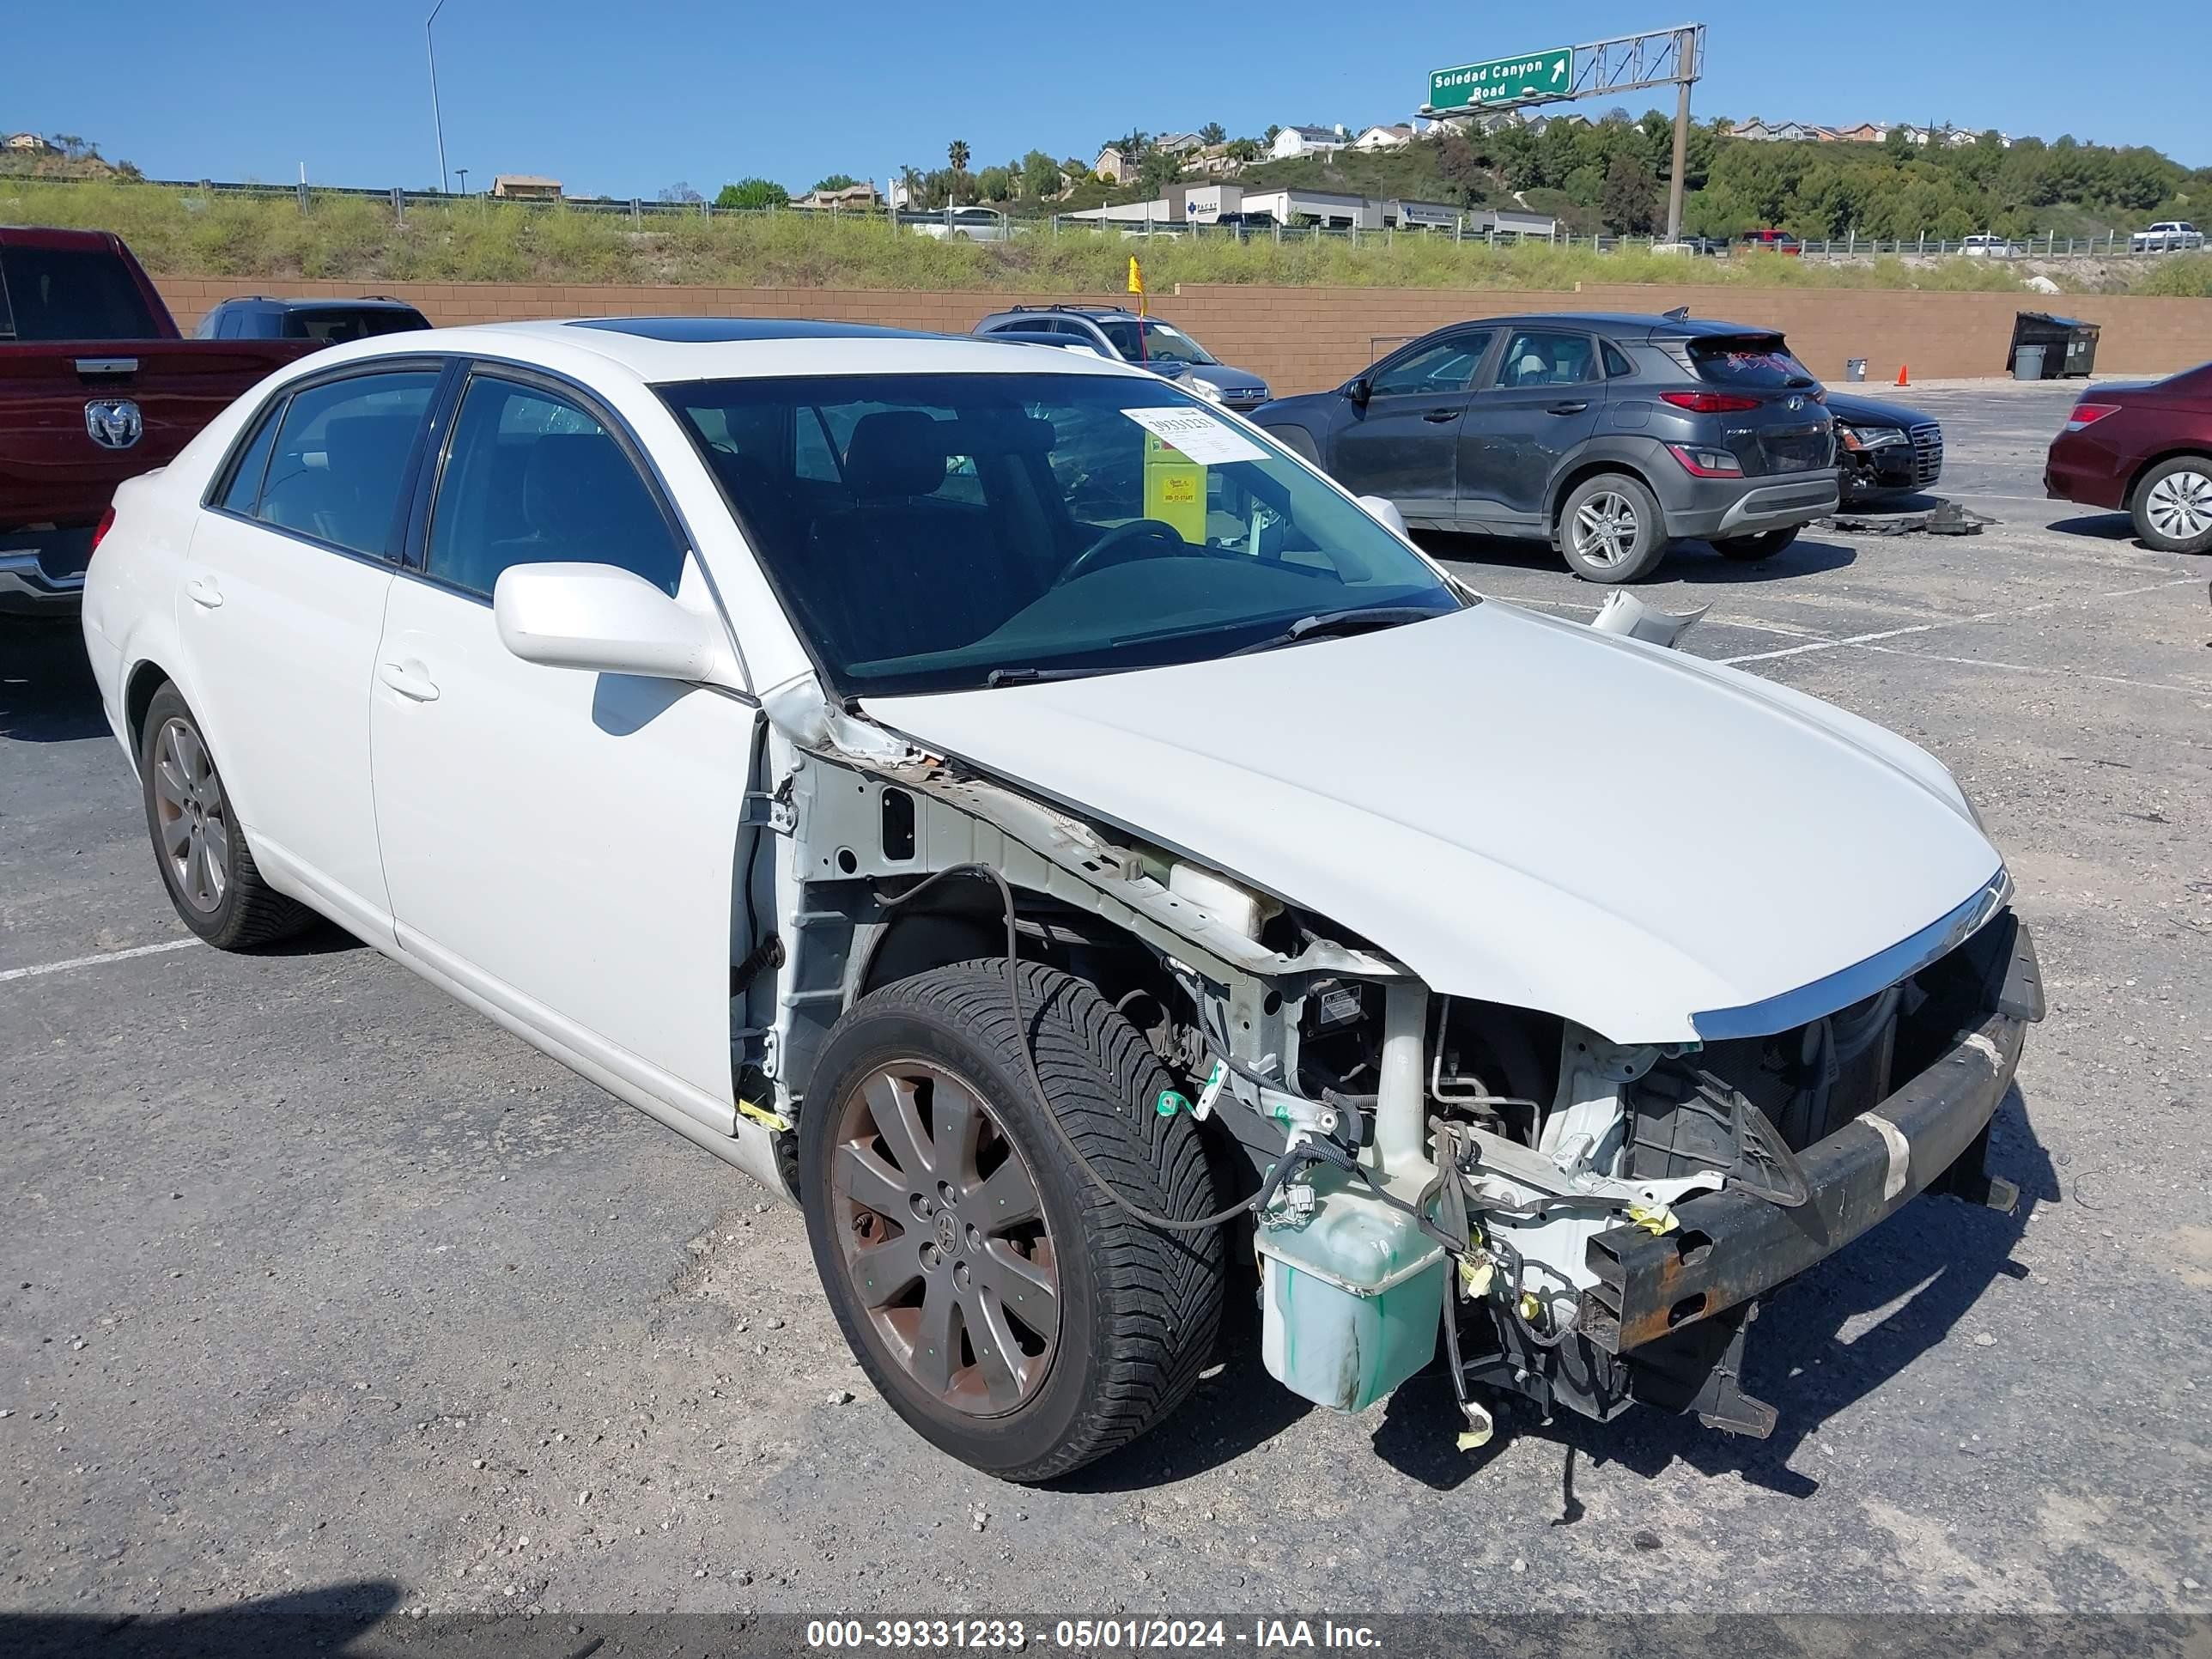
point(317, 1285)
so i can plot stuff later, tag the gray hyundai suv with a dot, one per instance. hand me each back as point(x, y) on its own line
point(1147, 341)
point(1609, 436)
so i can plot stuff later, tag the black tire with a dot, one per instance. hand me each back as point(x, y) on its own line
point(1139, 1309)
point(2172, 497)
point(1749, 550)
point(1638, 529)
point(246, 910)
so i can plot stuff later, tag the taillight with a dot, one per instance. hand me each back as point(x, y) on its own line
point(2089, 415)
point(1708, 403)
point(1700, 462)
point(99, 531)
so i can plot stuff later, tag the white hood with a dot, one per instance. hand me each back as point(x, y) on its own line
point(1518, 808)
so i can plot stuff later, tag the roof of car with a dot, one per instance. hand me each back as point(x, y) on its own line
point(670, 350)
point(1633, 324)
point(360, 302)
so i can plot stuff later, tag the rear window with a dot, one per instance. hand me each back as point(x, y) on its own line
point(1752, 359)
point(69, 293)
point(334, 326)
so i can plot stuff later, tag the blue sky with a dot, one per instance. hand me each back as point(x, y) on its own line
point(624, 100)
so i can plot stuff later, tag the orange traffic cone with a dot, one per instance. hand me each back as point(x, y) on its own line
point(1904, 376)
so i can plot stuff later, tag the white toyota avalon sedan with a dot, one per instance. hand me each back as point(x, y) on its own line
point(1072, 849)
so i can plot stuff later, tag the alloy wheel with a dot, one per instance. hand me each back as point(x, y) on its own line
point(192, 815)
point(2179, 505)
point(1605, 529)
point(943, 1237)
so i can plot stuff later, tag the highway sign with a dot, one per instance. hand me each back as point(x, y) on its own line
point(1526, 79)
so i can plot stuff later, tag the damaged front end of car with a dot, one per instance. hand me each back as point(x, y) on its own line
point(1583, 1221)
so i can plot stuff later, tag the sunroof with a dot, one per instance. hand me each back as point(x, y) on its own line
point(715, 331)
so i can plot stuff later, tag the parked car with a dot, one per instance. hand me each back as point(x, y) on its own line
point(1146, 342)
point(328, 322)
point(1884, 449)
point(1774, 241)
point(1609, 436)
point(2167, 236)
point(1990, 248)
point(97, 384)
point(2144, 450)
point(1037, 879)
point(966, 224)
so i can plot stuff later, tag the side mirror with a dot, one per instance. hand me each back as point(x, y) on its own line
point(605, 620)
point(1358, 392)
point(1379, 508)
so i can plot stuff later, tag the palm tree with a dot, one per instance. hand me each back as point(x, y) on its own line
point(957, 153)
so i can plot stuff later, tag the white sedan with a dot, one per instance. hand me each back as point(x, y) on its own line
point(1064, 842)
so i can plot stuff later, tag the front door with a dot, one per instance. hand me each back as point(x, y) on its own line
point(283, 601)
point(1540, 404)
point(1403, 443)
point(558, 843)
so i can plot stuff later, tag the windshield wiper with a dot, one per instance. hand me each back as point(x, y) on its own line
point(1328, 623)
point(1025, 676)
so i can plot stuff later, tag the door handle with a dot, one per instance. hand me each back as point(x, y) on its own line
point(202, 592)
point(1566, 408)
point(1440, 415)
point(418, 688)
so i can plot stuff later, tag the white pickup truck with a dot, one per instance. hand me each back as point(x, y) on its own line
point(2167, 236)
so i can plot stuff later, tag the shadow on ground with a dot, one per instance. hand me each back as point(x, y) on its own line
point(1685, 562)
point(47, 690)
point(329, 1620)
point(1934, 1259)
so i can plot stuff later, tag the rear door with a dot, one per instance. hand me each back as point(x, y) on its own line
point(282, 610)
point(1538, 406)
point(1403, 443)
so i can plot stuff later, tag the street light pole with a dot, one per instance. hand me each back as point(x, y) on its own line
point(437, 119)
point(464, 172)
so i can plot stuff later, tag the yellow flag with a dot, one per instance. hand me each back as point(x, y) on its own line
point(1136, 281)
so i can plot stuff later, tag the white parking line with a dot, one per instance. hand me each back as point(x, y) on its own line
point(1954, 621)
point(2056, 672)
point(94, 961)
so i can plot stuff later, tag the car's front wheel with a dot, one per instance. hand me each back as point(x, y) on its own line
point(1750, 549)
point(1611, 530)
point(199, 843)
point(1007, 1308)
point(2173, 505)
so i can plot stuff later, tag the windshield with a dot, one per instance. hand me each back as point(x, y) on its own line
point(1142, 340)
point(953, 532)
point(335, 326)
point(1752, 361)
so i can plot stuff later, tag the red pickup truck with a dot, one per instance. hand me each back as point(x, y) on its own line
point(96, 386)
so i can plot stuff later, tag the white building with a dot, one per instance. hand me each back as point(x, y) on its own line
point(1389, 138)
point(1308, 141)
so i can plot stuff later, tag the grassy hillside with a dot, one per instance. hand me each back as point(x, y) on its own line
point(356, 238)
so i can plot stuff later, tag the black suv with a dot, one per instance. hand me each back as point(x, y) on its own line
point(1608, 436)
point(254, 317)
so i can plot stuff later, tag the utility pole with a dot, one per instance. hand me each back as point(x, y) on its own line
point(464, 172)
point(437, 119)
point(1684, 49)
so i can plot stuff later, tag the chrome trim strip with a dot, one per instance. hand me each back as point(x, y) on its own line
point(1862, 980)
point(106, 365)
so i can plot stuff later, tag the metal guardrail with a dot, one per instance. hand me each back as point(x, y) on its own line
point(2112, 245)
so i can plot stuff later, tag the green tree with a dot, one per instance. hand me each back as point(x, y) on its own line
point(753, 193)
point(1274, 132)
point(1630, 197)
point(997, 184)
point(836, 181)
point(1159, 170)
point(1243, 150)
point(957, 154)
point(1213, 133)
point(1040, 176)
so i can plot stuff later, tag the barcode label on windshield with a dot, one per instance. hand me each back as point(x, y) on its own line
point(1197, 435)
